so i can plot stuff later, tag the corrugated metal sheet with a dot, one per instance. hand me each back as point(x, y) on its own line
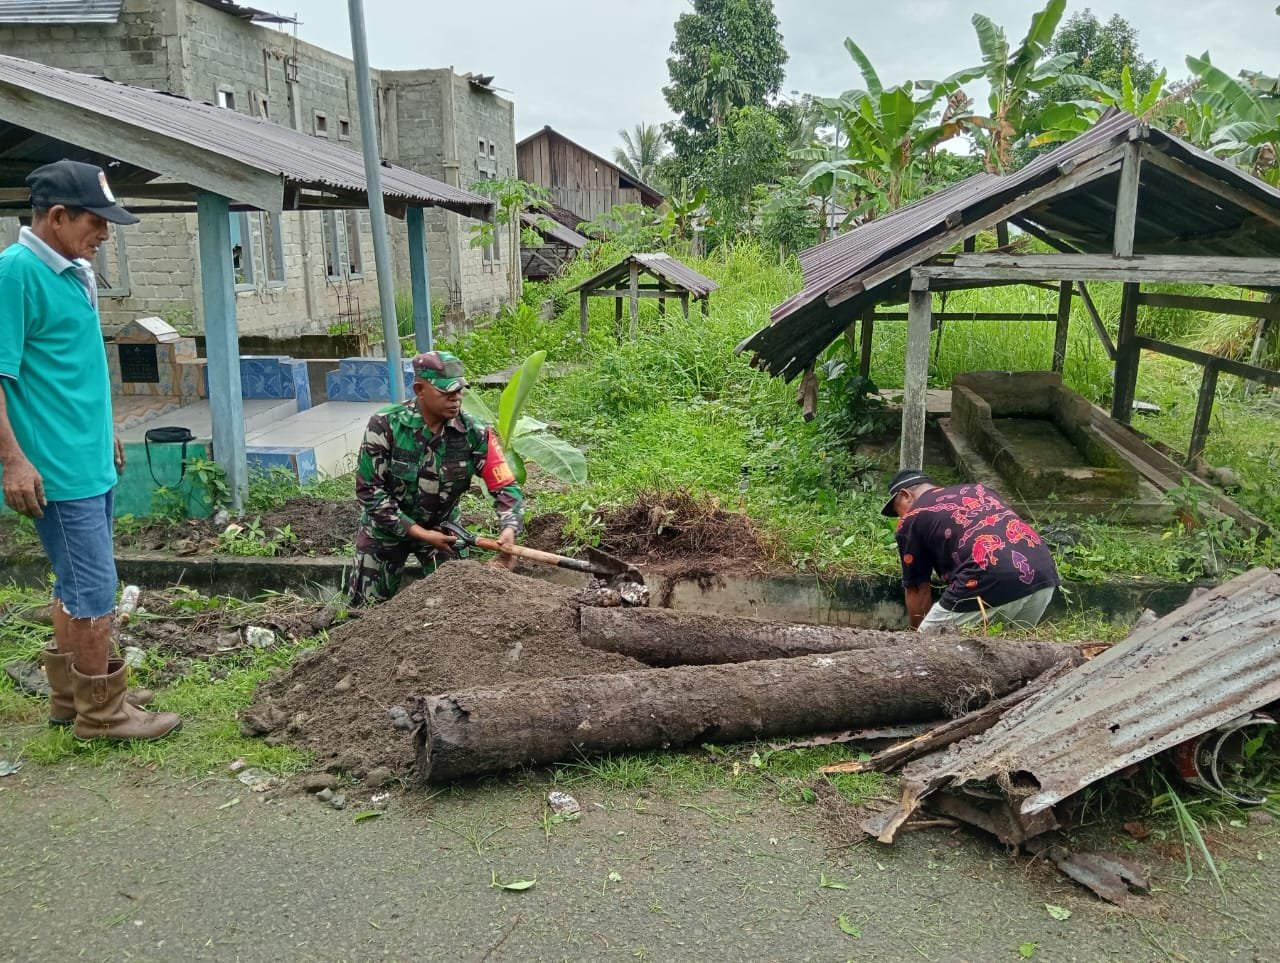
point(302, 161)
point(659, 265)
point(60, 11)
point(246, 13)
point(1203, 665)
point(550, 228)
point(1171, 211)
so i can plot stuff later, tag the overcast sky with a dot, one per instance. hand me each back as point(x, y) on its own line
point(590, 67)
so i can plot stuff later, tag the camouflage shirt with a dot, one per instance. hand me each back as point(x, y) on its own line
point(405, 476)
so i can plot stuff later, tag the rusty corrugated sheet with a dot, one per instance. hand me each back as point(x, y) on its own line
point(302, 161)
point(60, 11)
point(658, 264)
point(246, 13)
point(550, 228)
point(1171, 212)
point(1204, 664)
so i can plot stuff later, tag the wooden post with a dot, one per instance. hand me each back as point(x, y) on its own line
point(635, 298)
point(1127, 202)
point(915, 377)
point(1002, 234)
point(1060, 330)
point(617, 317)
point(1127, 352)
point(662, 307)
point(1204, 412)
point(706, 305)
point(222, 341)
point(419, 279)
point(684, 304)
point(867, 328)
point(582, 314)
point(1262, 333)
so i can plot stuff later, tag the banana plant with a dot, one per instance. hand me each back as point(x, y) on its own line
point(524, 438)
point(1064, 120)
point(1250, 109)
point(1015, 75)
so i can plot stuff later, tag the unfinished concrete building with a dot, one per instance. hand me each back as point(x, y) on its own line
point(297, 272)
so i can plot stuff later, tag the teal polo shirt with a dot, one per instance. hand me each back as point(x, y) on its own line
point(53, 367)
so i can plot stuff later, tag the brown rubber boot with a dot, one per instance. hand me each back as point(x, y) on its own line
point(103, 713)
point(62, 701)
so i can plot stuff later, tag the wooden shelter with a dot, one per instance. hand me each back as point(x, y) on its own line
point(669, 278)
point(579, 179)
point(1122, 202)
point(559, 246)
point(174, 154)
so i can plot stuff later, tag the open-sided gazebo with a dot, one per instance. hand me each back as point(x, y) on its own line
point(166, 153)
point(1122, 202)
point(668, 278)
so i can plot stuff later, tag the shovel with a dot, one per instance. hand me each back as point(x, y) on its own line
point(601, 564)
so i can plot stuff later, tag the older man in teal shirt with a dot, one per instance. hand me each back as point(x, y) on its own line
point(58, 453)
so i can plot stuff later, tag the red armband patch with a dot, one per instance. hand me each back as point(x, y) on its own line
point(496, 472)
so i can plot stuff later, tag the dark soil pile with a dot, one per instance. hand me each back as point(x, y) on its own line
point(319, 526)
point(468, 625)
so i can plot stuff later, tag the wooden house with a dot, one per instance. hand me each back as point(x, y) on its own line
point(578, 179)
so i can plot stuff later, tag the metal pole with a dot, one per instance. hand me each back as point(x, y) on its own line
point(377, 213)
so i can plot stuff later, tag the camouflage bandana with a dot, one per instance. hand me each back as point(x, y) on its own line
point(441, 370)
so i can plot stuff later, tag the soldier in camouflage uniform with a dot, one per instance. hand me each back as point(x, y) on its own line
point(417, 460)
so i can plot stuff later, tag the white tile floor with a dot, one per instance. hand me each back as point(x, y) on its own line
point(333, 430)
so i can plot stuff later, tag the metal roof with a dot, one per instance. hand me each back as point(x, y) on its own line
point(870, 264)
point(550, 228)
point(156, 134)
point(60, 11)
point(660, 265)
point(640, 185)
point(1202, 665)
point(246, 13)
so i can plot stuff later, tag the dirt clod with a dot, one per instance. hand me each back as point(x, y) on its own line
point(452, 630)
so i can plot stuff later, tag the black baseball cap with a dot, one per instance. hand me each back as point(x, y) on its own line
point(73, 184)
point(907, 478)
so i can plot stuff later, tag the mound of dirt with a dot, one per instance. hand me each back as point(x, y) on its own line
point(467, 625)
point(318, 525)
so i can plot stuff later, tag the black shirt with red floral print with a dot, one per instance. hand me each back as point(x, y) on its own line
point(977, 544)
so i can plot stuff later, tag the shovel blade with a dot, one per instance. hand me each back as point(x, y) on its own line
point(611, 567)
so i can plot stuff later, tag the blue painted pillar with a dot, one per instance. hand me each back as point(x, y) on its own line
point(420, 280)
point(222, 341)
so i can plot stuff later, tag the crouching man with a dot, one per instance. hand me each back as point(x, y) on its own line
point(415, 464)
point(995, 566)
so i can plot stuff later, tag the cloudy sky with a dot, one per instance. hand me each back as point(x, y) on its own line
point(590, 67)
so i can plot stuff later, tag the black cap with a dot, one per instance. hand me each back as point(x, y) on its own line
point(73, 184)
point(907, 478)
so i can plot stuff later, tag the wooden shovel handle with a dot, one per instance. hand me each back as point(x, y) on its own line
point(536, 555)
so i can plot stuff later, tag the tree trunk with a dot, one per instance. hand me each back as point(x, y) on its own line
point(481, 731)
point(662, 637)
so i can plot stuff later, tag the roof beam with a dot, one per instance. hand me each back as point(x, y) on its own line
point(1255, 206)
point(1159, 268)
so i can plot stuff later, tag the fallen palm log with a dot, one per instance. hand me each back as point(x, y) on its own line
point(661, 637)
point(481, 731)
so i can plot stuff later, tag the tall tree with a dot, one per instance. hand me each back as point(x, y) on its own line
point(642, 150)
point(726, 54)
point(750, 153)
point(1102, 52)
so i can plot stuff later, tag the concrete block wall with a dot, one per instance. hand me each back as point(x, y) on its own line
point(194, 50)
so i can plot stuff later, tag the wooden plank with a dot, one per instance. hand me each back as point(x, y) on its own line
point(866, 330)
point(684, 304)
point(1239, 271)
point(1254, 205)
point(706, 305)
point(1127, 356)
point(1233, 306)
point(1063, 322)
point(626, 293)
point(1102, 166)
point(915, 381)
point(1204, 414)
point(1126, 219)
point(1227, 365)
point(972, 316)
point(635, 299)
point(582, 315)
point(1165, 473)
point(1099, 328)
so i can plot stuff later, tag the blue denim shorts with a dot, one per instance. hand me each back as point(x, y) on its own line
point(76, 536)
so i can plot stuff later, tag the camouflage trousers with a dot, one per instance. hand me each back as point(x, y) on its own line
point(379, 563)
